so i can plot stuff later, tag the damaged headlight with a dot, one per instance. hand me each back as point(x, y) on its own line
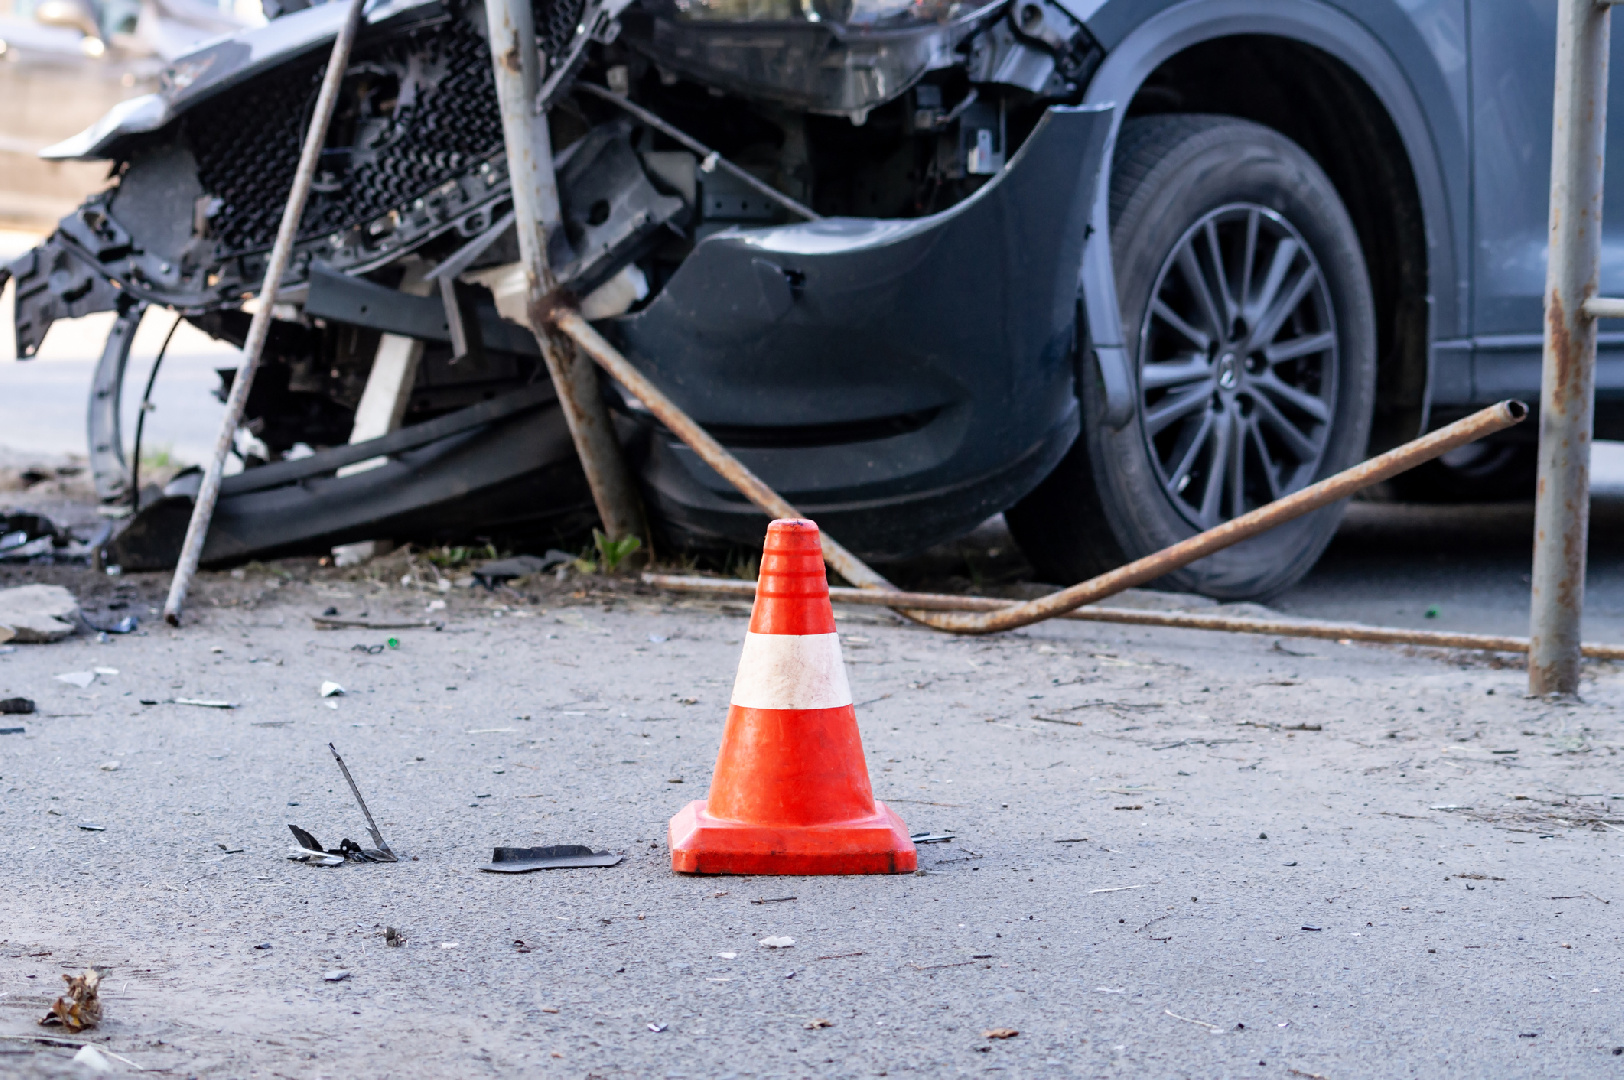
point(826, 56)
point(856, 13)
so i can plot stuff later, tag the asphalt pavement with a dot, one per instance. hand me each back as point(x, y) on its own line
point(1174, 853)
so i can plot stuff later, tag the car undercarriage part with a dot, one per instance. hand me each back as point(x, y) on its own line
point(507, 464)
point(1177, 620)
point(259, 329)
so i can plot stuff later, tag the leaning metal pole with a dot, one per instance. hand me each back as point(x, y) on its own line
point(209, 492)
point(1568, 375)
point(517, 65)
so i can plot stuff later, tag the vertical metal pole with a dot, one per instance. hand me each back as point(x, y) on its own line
point(517, 66)
point(1567, 381)
point(259, 328)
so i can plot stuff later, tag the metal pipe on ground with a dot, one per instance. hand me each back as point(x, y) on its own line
point(254, 345)
point(1178, 620)
point(1568, 365)
point(1008, 617)
point(517, 67)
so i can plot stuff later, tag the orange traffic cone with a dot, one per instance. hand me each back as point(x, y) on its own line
point(790, 794)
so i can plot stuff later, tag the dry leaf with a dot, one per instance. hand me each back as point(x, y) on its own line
point(79, 1008)
point(1000, 1033)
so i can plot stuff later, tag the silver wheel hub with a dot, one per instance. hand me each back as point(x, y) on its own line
point(1238, 365)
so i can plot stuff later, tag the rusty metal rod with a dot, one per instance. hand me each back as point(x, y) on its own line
point(259, 328)
point(1568, 360)
point(1311, 498)
point(709, 450)
point(1178, 620)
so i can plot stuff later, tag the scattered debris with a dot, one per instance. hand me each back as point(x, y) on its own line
point(777, 942)
point(336, 975)
point(329, 688)
point(383, 852)
point(81, 679)
point(80, 1007)
point(932, 838)
point(517, 860)
point(495, 572)
point(129, 624)
point(109, 766)
point(16, 706)
point(773, 900)
point(658, 1027)
point(393, 938)
point(1129, 806)
point(331, 622)
point(819, 1022)
point(836, 956)
point(88, 827)
point(36, 614)
point(229, 850)
point(1122, 888)
point(93, 1059)
point(199, 702)
point(12, 731)
point(1073, 840)
point(1214, 1028)
point(1316, 929)
point(1000, 1033)
point(308, 850)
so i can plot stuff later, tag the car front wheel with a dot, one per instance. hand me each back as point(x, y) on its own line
point(1249, 321)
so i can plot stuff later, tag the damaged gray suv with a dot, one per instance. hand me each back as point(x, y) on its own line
point(1121, 270)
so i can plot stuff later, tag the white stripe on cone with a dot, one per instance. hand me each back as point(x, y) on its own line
point(791, 671)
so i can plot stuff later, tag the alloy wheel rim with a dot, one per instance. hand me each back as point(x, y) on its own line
point(1238, 365)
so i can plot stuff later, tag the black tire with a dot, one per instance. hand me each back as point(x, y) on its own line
point(1112, 499)
point(1482, 472)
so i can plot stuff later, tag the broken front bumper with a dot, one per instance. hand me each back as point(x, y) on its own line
point(897, 380)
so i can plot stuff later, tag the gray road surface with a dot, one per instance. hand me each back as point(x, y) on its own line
point(1154, 876)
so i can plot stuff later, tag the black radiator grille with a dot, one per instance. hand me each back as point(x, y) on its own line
point(247, 141)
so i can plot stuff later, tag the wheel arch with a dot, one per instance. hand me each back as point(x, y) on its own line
point(1337, 72)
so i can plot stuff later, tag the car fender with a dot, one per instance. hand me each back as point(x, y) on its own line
point(1417, 99)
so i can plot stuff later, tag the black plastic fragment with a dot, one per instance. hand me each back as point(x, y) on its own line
point(496, 571)
point(16, 706)
point(522, 860)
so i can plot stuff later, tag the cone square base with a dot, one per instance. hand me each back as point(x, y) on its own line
point(701, 844)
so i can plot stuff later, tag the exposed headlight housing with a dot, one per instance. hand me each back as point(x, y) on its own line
point(825, 56)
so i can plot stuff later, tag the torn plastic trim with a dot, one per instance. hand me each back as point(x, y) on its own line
point(219, 65)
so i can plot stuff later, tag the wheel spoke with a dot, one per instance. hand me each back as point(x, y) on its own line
point(1300, 445)
point(1300, 400)
point(1220, 273)
point(1306, 345)
point(1237, 464)
point(1195, 337)
point(1274, 316)
point(1191, 454)
point(1253, 218)
point(1212, 495)
point(1169, 373)
point(1190, 264)
point(1173, 407)
point(1255, 434)
point(1285, 253)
